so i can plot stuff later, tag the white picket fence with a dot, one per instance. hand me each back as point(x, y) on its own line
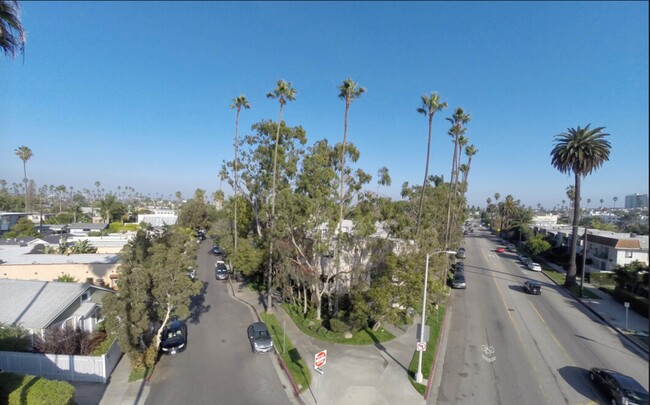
point(63, 366)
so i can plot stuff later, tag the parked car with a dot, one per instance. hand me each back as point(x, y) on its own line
point(191, 273)
point(622, 390)
point(500, 249)
point(527, 261)
point(258, 335)
point(174, 338)
point(217, 250)
point(460, 254)
point(458, 281)
point(511, 248)
point(220, 271)
point(533, 287)
point(534, 266)
point(522, 257)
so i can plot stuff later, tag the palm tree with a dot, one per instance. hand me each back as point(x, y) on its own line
point(430, 105)
point(601, 203)
point(615, 199)
point(284, 93)
point(508, 211)
point(581, 151)
point(458, 119)
point(348, 91)
point(470, 151)
point(12, 32)
point(238, 103)
point(24, 153)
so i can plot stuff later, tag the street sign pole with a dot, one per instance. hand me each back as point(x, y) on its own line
point(418, 374)
point(627, 307)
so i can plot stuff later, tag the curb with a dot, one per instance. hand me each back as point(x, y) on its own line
point(629, 339)
point(296, 391)
point(432, 371)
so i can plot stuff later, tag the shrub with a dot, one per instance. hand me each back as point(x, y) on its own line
point(13, 338)
point(16, 389)
point(599, 279)
point(337, 325)
point(63, 341)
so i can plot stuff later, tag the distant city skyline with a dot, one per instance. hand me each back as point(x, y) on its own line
point(117, 97)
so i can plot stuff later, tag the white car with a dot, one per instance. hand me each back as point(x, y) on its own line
point(534, 266)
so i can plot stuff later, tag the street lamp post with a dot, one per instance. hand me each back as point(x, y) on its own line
point(418, 375)
point(584, 263)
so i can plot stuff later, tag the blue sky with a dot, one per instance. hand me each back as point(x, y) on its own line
point(137, 94)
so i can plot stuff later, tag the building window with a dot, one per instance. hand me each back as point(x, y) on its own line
point(85, 296)
point(628, 255)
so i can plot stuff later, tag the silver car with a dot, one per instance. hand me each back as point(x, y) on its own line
point(458, 281)
point(220, 271)
point(260, 339)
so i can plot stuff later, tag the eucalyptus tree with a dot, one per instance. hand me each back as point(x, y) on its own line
point(12, 32)
point(579, 151)
point(283, 92)
point(430, 106)
point(349, 91)
point(24, 153)
point(238, 103)
point(383, 178)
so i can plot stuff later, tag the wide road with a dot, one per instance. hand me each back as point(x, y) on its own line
point(218, 366)
point(541, 346)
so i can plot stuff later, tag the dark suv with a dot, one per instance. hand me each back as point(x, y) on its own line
point(619, 387)
point(533, 287)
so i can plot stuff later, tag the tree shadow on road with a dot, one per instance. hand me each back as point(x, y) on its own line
point(382, 348)
point(197, 307)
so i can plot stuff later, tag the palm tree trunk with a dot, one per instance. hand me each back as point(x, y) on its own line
point(341, 195)
point(571, 274)
point(235, 168)
point(426, 174)
point(451, 189)
point(275, 165)
point(25, 183)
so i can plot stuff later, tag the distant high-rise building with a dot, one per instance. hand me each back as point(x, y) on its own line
point(636, 201)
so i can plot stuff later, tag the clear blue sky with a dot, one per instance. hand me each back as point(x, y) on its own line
point(137, 94)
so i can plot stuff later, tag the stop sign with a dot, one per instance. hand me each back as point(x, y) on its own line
point(320, 359)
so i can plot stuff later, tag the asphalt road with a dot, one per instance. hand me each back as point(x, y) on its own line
point(218, 366)
point(541, 346)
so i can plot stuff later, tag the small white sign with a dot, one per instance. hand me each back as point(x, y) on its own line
point(627, 304)
point(421, 346)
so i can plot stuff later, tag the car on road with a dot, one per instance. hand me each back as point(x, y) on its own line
point(622, 389)
point(458, 281)
point(534, 266)
point(460, 254)
point(459, 268)
point(220, 271)
point(500, 249)
point(533, 287)
point(258, 335)
point(511, 248)
point(216, 250)
point(174, 338)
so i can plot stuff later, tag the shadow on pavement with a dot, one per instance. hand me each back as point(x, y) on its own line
point(382, 348)
point(197, 307)
point(578, 379)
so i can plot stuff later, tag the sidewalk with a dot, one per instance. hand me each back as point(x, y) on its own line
point(119, 391)
point(612, 313)
point(373, 374)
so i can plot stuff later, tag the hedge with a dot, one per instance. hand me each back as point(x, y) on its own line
point(17, 389)
point(638, 304)
point(599, 279)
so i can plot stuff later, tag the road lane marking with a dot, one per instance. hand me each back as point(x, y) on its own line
point(557, 343)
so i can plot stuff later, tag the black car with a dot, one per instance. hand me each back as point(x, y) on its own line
point(622, 390)
point(533, 287)
point(217, 250)
point(174, 338)
point(220, 271)
point(458, 281)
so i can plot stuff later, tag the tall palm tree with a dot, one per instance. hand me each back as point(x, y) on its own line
point(12, 32)
point(601, 203)
point(284, 93)
point(470, 151)
point(430, 105)
point(238, 103)
point(508, 211)
point(24, 153)
point(458, 119)
point(579, 151)
point(615, 199)
point(348, 91)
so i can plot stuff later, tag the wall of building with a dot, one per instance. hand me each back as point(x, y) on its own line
point(50, 272)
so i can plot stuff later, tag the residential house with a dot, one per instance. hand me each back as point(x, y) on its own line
point(38, 305)
point(85, 228)
point(608, 250)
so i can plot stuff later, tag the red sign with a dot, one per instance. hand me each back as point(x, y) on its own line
point(320, 359)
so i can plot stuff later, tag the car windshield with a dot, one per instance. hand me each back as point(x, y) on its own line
point(637, 396)
point(261, 335)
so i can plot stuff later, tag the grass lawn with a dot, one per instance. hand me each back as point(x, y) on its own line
point(140, 374)
point(435, 324)
point(362, 337)
point(296, 365)
point(575, 290)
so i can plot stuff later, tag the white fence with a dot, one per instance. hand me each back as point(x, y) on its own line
point(63, 366)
